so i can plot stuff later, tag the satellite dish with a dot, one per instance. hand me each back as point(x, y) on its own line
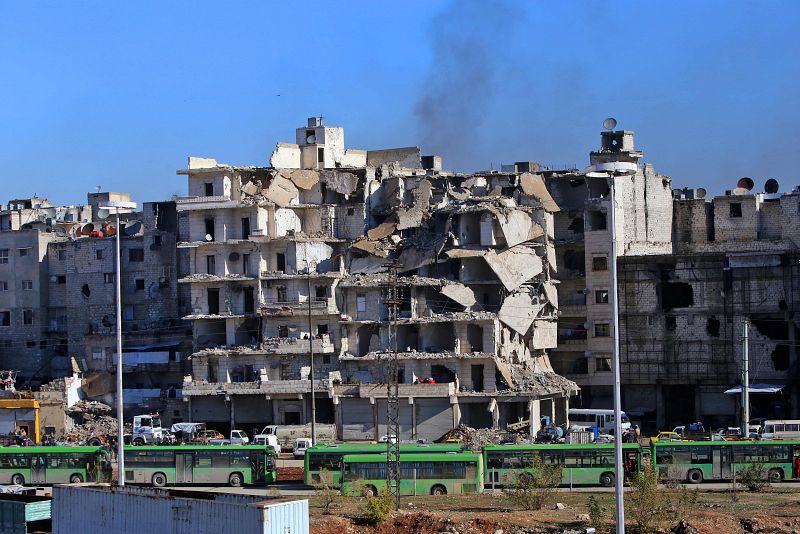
point(740, 191)
point(311, 139)
point(131, 228)
point(60, 231)
point(610, 123)
point(86, 229)
point(700, 193)
point(110, 229)
point(771, 186)
point(209, 238)
point(53, 279)
point(234, 256)
point(103, 213)
point(746, 183)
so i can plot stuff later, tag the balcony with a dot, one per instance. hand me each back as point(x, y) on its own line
point(293, 345)
point(204, 203)
point(267, 387)
point(288, 308)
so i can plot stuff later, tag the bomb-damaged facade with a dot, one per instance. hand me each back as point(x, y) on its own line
point(278, 262)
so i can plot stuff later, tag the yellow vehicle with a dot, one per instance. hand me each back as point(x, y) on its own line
point(666, 436)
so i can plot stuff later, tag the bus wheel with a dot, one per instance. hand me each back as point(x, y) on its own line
point(369, 491)
point(159, 480)
point(438, 490)
point(695, 476)
point(18, 479)
point(235, 480)
point(607, 480)
point(776, 475)
point(75, 479)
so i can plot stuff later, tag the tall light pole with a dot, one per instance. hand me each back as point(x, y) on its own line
point(610, 171)
point(311, 352)
point(118, 207)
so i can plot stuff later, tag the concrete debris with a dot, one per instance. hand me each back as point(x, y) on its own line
point(344, 183)
point(533, 185)
point(250, 188)
point(382, 231)
point(281, 191)
point(514, 266)
point(518, 311)
point(551, 292)
point(368, 265)
point(460, 293)
point(538, 383)
point(376, 248)
point(517, 226)
point(303, 179)
point(409, 218)
point(423, 251)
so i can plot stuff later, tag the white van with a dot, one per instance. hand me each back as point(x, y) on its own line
point(270, 440)
point(781, 429)
point(590, 419)
point(300, 446)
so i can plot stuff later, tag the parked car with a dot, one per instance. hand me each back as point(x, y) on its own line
point(388, 439)
point(219, 442)
point(205, 436)
point(667, 436)
point(239, 437)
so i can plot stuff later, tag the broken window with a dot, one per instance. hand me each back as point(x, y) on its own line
point(211, 264)
point(602, 330)
point(245, 264)
point(576, 225)
point(321, 155)
point(61, 279)
point(600, 263)
point(603, 364)
point(209, 188)
point(477, 377)
point(108, 278)
point(136, 254)
point(601, 296)
point(361, 304)
point(442, 374)
point(245, 227)
point(283, 293)
point(3, 285)
point(574, 260)
point(98, 254)
point(736, 209)
point(27, 316)
point(128, 313)
point(283, 330)
point(322, 330)
point(156, 241)
point(249, 300)
point(212, 295)
point(280, 259)
point(3, 255)
point(579, 366)
point(780, 358)
point(85, 291)
point(475, 337)
point(209, 229)
point(139, 284)
point(597, 221)
point(676, 295)
point(712, 326)
point(321, 292)
point(97, 354)
point(671, 323)
point(27, 285)
point(26, 251)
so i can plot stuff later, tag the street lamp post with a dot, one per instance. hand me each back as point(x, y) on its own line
point(610, 171)
point(311, 353)
point(118, 207)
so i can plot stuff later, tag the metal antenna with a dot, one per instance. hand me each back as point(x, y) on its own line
point(392, 395)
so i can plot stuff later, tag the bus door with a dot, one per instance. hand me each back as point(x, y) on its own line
point(38, 469)
point(183, 467)
point(721, 462)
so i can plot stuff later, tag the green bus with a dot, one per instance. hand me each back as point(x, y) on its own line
point(697, 461)
point(324, 461)
point(438, 473)
point(54, 465)
point(589, 464)
point(207, 464)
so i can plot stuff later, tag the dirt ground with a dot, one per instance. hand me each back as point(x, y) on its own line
point(722, 512)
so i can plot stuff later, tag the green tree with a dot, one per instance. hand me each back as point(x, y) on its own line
point(646, 503)
point(378, 508)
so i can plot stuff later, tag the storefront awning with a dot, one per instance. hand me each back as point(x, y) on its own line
point(757, 388)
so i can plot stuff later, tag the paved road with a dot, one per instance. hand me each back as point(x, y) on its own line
point(301, 489)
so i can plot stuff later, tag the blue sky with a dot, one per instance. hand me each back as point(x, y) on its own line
point(119, 94)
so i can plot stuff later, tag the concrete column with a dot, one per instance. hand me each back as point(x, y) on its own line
point(698, 404)
point(375, 418)
point(494, 407)
point(456, 411)
point(230, 326)
point(275, 413)
point(233, 418)
point(413, 418)
point(534, 414)
point(337, 418)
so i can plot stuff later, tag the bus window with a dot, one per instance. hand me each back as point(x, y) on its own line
point(701, 455)
point(551, 457)
point(494, 460)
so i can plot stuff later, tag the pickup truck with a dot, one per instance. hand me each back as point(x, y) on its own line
point(286, 434)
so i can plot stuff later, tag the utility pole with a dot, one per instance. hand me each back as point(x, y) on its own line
point(392, 393)
point(746, 379)
point(311, 352)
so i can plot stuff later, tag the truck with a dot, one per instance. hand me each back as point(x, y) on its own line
point(147, 431)
point(239, 437)
point(286, 434)
point(268, 440)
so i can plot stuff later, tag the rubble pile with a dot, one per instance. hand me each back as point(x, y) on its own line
point(90, 419)
point(476, 438)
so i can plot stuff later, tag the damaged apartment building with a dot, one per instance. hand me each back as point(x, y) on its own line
point(296, 259)
point(58, 299)
point(735, 257)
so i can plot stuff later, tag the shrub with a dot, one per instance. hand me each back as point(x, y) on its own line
point(532, 489)
point(328, 494)
point(597, 513)
point(753, 477)
point(377, 509)
point(646, 503)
